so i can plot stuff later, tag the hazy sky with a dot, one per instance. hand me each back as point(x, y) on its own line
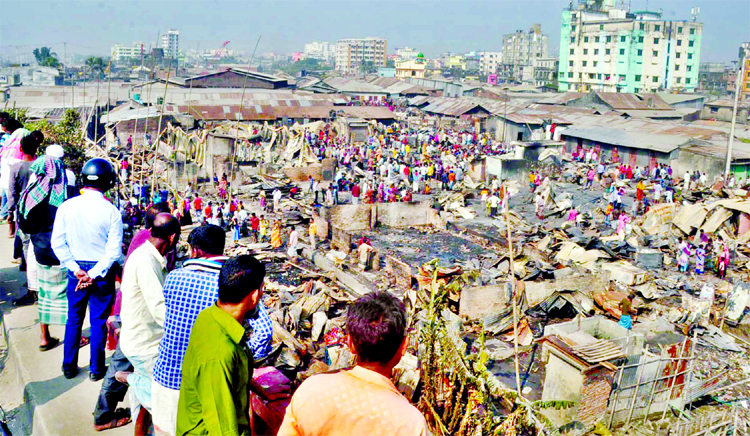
point(434, 27)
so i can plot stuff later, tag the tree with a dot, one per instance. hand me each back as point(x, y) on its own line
point(46, 57)
point(390, 63)
point(367, 67)
point(96, 65)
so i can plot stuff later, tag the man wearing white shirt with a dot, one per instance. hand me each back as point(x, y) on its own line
point(143, 308)
point(87, 239)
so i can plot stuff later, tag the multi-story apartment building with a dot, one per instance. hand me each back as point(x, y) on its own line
point(323, 51)
point(489, 62)
point(712, 77)
point(170, 43)
point(606, 48)
point(124, 53)
point(353, 54)
point(545, 71)
point(522, 47)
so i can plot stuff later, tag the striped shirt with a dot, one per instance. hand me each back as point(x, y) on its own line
point(188, 291)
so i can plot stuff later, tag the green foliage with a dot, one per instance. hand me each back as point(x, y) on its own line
point(46, 57)
point(305, 64)
point(66, 133)
point(95, 66)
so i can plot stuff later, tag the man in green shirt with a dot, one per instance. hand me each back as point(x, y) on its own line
point(218, 366)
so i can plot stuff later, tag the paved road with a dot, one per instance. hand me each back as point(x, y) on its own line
point(33, 390)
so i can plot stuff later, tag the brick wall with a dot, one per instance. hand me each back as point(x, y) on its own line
point(352, 217)
point(597, 385)
point(402, 271)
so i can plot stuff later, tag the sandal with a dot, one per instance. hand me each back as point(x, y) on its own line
point(84, 341)
point(122, 418)
point(52, 343)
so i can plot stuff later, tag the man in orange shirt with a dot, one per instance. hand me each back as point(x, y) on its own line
point(362, 400)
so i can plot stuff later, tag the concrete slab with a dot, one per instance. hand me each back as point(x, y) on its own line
point(54, 405)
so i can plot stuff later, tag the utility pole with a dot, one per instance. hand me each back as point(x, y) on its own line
point(737, 92)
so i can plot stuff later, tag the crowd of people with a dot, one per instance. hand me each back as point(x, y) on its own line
point(187, 336)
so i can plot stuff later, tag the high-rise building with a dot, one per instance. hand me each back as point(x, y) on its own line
point(323, 51)
point(606, 48)
point(124, 53)
point(522, 47)
point(489, 62)
point(353, 54)
point(170, 42)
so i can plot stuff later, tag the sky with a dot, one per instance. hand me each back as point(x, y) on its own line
point(91, 27)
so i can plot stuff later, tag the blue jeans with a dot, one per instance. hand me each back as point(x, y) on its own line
point(4, 198)
point(99, 298)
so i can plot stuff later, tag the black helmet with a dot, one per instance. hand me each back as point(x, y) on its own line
point(98, 173)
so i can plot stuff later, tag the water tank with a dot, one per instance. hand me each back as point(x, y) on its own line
point(519, 152)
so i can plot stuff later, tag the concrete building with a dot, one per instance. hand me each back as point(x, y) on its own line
point(351, 54)
point(522, 47)
point(722, 110)
point(489, 61)
point(745, 86)
point(170, 42)
point(604, 47)
point(405, 53)
point(712, 77)
point(323, 51)
point(125, 53)
point(411, 68)
point(544, 72)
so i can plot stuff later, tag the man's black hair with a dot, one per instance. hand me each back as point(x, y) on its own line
point(208, 238)
point(166, 229)
point(239, 276)
point(376, 323)
point(11, 124)
point(154, 210)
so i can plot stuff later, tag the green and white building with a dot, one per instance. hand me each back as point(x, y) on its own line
point(606, 48)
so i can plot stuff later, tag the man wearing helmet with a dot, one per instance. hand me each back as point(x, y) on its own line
point(87, 238)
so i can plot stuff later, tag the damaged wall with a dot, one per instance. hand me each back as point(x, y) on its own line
point(358, 217)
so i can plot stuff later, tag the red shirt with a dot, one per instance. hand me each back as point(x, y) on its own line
point(208, 211)
point(254, 222)
point(197, 203)
point(355, 191)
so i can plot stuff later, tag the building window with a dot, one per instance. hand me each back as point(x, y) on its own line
point(692, 31)
point(687, 81)
point(656, 79)
point(677, 68)
point(689, 68)
point(714, 110)
point(679, 80)
point(570, 64)
point(584, 63)
point(573, 28)
point(642, 26)
point(570, 75)
point(606, 52)
point(596, 39)
point(580, 75)
point(622, 39)
point(609, 39)
point(596, 51)
point(691, 43)
point(637, 77)
point(679, 30)
point(592, 75)
point(622, 51)
point(640, 52)
point(656, 54)
point(679, 43)
point(595, 63)
point(690, 55)
point(677, 55)
point(585, 39)
point(621, 78)
point(656, 40)
point(601, 27)
point(585, 51)
point(657, 28)
point(572, 51)
point(572, 39)
point(560, 75)
point(640, 39)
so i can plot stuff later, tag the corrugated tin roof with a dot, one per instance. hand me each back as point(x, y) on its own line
point(453, 107)
point(670, 98)
point(269, 112)
point(718, 152)
point(650, 113)
point(561, 98)
point(622, 100)
point(615, 136)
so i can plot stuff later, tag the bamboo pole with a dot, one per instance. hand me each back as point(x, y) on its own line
point(158, 125)
point(513, 297)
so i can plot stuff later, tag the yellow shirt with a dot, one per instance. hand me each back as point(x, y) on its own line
point(353, 402)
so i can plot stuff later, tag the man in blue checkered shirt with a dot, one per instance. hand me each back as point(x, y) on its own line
point(188, 291)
